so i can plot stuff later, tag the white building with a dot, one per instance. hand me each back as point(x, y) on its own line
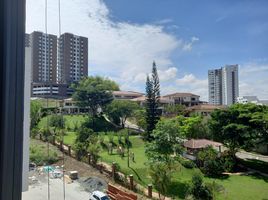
point(230, 89)
point(251, 99)
point(223, 85)
point(215, 86)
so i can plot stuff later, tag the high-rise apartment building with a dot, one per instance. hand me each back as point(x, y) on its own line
point(215, 86)
point(230, 88)
point(223, 85)
point(43, 56)
point(72, 58)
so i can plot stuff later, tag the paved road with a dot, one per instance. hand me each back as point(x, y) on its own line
point(247, 155)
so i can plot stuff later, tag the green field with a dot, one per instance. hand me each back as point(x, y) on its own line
point(70, 121)
point(237, 187)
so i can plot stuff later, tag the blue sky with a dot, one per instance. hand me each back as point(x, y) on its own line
point(185, 38)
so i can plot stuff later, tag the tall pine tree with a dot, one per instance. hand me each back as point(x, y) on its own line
point(152, 102)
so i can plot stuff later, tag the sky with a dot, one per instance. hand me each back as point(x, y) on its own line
point(184, 38)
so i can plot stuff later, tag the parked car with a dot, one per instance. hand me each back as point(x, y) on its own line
point(97, 195)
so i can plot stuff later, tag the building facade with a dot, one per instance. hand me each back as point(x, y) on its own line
point(126, 95)
point(43, 57)
point(51, 90)
point(72, 58)
point(55, 63)
point(223, 85)
point(186, 99)
point(215, 86)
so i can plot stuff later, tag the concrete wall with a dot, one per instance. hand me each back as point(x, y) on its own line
point(26, 122)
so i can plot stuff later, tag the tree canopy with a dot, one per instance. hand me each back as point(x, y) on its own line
point(94, 93)
point(240, 125)
point(35, 113)
point(194, 127)
point(120, 110)
point(166, 138)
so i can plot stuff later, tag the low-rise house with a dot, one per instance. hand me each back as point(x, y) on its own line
point(204, 109)
point(193, 146)
point(187, 99)
point(69, 106)
point(126, 95)
point(163, 101)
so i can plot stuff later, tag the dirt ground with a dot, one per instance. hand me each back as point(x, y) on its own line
point(85, 174)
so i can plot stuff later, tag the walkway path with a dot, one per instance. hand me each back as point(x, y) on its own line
point(247, 155)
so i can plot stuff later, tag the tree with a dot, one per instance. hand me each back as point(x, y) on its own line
point(94, 93)
point(57, 121)
point(82, 141)
point(239, 126)
point(161, 175)
point(120, 110)
point(140, 117)
point(166, 138)
point(199, 190)
point(209, 161)
point(194, 127)
point(153, 112)
point(35, 113)
point(174, 110)
point(94, 149)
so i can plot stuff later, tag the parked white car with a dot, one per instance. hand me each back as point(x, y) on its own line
point(97, 195)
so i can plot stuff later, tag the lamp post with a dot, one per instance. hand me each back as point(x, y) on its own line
point(128, 146)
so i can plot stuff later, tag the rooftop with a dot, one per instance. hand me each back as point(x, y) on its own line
point(143, 99)
point(200, 143)
point(206, 107)
point(127, 93)
point(181, 94)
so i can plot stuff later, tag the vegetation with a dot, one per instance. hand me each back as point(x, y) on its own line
point(198, 190)
point(161, 175)
point(35, 113)
point(153, 112)
point(83, 141)
point(158, 160)
point(166, 135)
point(194, 127)
point(39, 154)
point(240, 126)
point(120, 110)
point(174, 110)
point(57, 121)
point(94, 93)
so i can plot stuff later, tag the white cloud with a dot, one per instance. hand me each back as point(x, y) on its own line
point(253, 79)
point(188, 46)
point(120, 50)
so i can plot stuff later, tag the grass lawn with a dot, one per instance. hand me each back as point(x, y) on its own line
point(236, 186)
point(70, 121)
point(69, 138)
point(48, 103)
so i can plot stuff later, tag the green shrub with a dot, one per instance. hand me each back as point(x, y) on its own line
point(188, 164)
point(38, 155)
point(198, 190)
point(99, 124)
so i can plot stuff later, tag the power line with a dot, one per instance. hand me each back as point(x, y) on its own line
point(62, 132)
point(46, 62)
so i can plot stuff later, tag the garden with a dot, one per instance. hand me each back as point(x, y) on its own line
point(154, 156)
point(253, 186)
